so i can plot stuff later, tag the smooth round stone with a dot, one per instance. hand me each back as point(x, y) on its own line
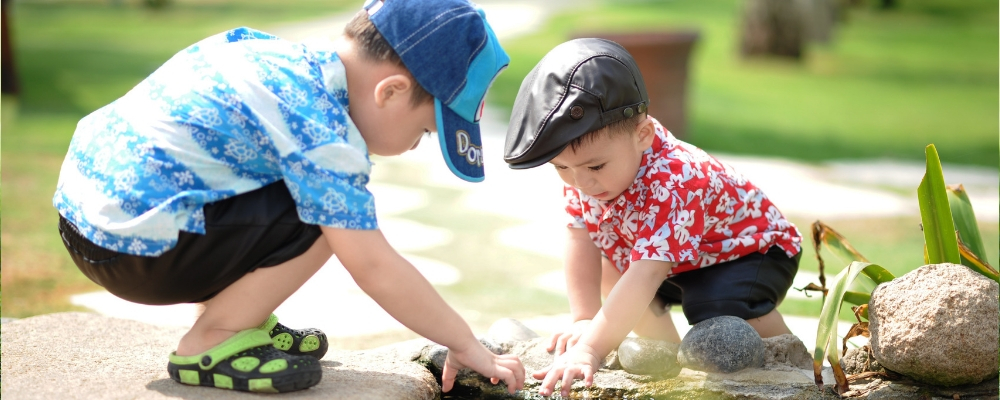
point(438, 353)
point(649, 357)
point(722, 344)
point(509, 330)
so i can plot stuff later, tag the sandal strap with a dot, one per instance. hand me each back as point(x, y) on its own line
point(269, 324)
point(241, 341)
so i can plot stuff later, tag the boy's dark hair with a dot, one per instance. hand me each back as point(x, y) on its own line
point(374, 47)
point(623, 127)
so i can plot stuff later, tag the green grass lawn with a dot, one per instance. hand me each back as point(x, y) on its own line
point(891, 83)
point(887, 85)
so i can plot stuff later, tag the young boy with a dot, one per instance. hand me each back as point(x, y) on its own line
point(656, 221)
point(232, 173)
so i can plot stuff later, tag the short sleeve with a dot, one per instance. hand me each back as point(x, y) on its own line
point(573, 207)
point(673, 217)
point(323, 159)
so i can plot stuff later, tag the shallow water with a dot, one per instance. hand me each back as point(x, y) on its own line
point(472, 394)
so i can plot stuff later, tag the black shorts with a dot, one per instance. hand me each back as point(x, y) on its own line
point(253, 230)
point(748, 287)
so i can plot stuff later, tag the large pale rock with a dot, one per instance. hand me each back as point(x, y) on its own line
point(89, 356)
point(937, 324)
point(721, 344)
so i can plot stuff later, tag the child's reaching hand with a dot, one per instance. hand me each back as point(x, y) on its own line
point(562, 341)
point(506, 368)
point(580, 362)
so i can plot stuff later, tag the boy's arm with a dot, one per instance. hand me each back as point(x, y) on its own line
point(583, 287)
point(406, 295)
point(622, 310)
point(583, 275)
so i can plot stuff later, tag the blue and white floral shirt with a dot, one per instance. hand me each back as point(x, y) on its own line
point(230, 114)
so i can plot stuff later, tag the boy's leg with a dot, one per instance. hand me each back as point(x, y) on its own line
point(770, 324)
point(250, 300)
point(650, 325)
point(750, 287)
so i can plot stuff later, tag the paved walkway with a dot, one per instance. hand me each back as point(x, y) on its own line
point(828, 191)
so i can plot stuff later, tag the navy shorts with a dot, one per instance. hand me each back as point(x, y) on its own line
point(257, 229)
point(748, 287)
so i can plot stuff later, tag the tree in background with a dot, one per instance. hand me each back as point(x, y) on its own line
point(10, 83)
point(783, 27)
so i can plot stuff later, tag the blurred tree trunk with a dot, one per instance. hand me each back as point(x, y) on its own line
point(9, 84)
point(888, 4)
point(157, 4)
point(783, 28)
point(820, 17)
point(773, 28)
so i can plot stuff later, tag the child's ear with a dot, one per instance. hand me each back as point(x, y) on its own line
point(392, 88)
point(645, 133)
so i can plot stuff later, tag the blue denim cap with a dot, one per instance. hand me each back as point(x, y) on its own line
point(453, 53)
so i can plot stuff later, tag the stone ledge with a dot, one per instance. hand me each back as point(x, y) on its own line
point(89, 356)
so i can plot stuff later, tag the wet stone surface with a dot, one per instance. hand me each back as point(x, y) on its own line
point(436, 354)
point(722, 344)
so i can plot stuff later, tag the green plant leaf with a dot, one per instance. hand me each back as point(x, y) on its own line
point(935, 213)
point(824, 235)
point(826, 332)
point(857, 298)
point(969, 259)
point(835, 242)
point(965, 221)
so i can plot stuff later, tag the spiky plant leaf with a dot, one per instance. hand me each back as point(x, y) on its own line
point(935, 213)
point(826, 333)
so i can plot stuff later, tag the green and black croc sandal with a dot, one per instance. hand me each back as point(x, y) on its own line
point(247, 362)
point(305, 342)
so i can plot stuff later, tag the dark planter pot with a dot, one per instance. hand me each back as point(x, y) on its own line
point(662, 58)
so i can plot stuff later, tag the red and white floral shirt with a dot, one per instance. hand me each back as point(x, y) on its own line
point(684, 207)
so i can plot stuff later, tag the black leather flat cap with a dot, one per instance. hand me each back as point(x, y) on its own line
point(580, 86)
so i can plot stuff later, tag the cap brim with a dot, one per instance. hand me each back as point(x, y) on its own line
point(461, 144)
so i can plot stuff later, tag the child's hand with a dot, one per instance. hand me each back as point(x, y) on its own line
point(498, 368)
point(562, 341)
point(578, 362)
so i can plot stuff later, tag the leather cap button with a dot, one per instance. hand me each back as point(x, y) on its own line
point(576, 112)
point(642, 108)
point(628, 112)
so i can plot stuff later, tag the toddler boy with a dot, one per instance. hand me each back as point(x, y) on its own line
point(231, 174)
point(655, 221)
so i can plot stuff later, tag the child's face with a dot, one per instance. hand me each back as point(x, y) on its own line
point(396, 127)
point(606, 166)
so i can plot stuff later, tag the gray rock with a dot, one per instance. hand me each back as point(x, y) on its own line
point(655, 358)
point(722, 344)
point(612, 362)
point(786, 350)
point(937, 324)
point(857, 361)
point(532, 353)
point(509, 330)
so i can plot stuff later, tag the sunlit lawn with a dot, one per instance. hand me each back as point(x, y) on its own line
point(889, 84)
